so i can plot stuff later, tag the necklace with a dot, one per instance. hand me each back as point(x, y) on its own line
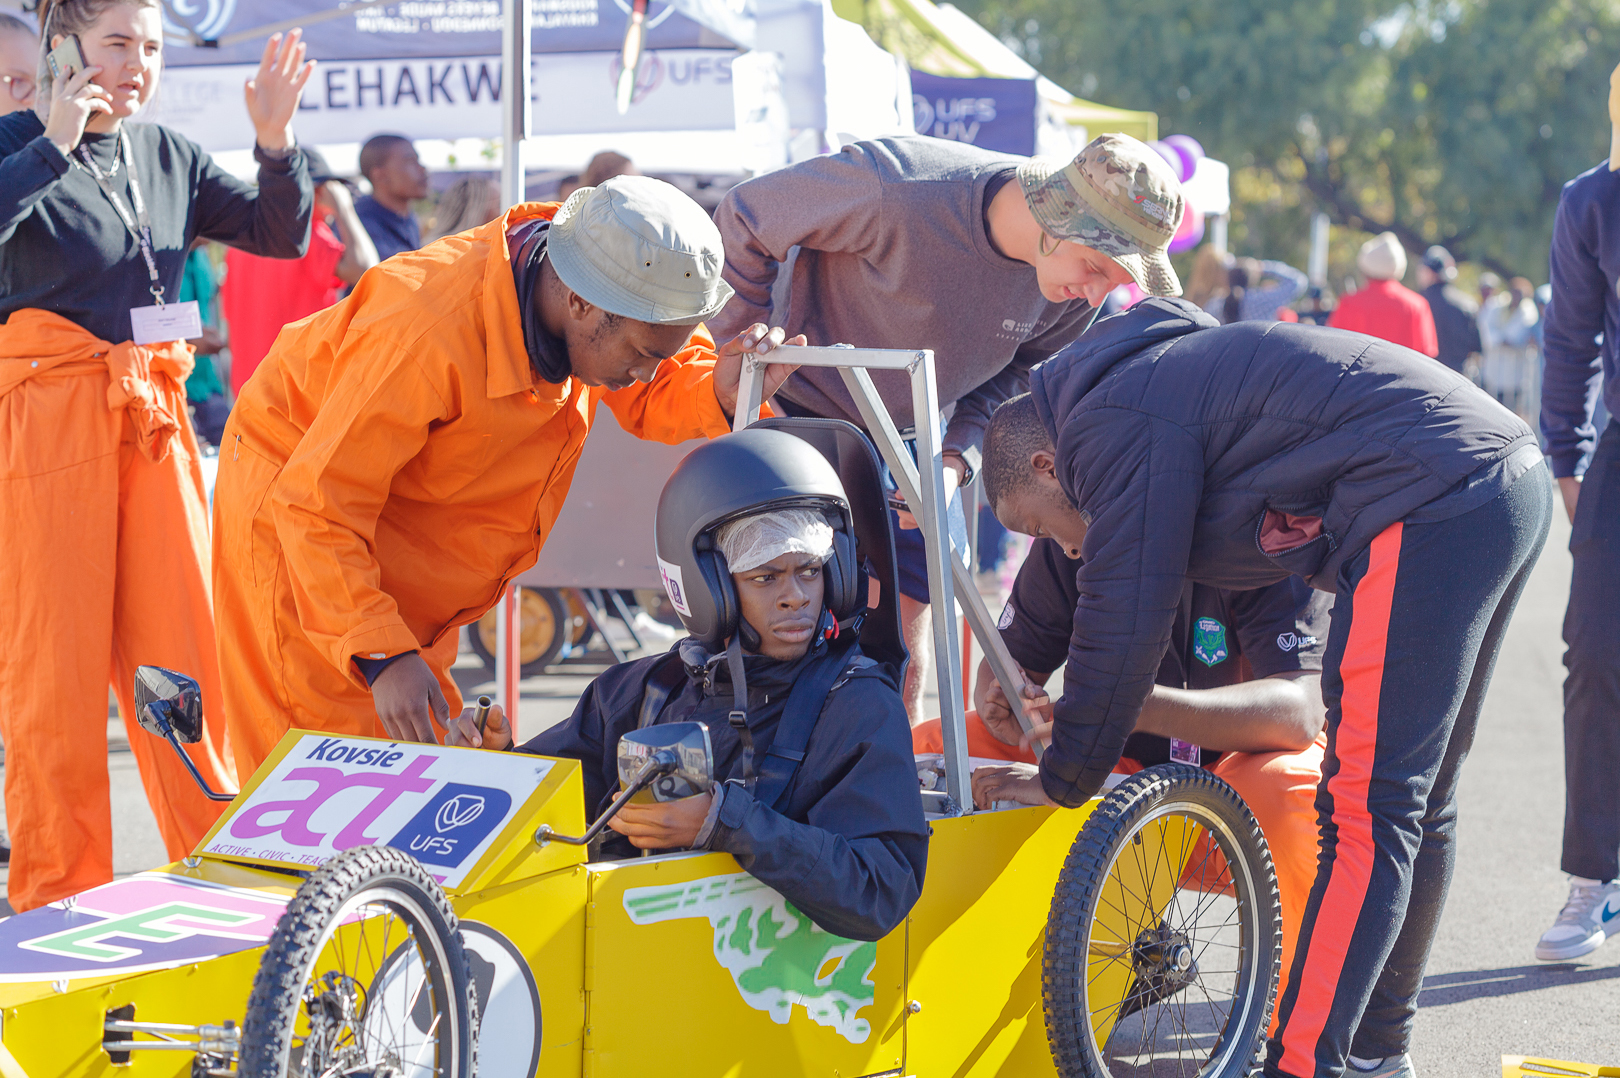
point(117, 160)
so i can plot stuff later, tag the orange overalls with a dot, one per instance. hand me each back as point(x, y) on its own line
point(103, 548)
point(391, 465)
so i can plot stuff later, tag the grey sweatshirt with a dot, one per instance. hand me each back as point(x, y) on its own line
point(894, 253)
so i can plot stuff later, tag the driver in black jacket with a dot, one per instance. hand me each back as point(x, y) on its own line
point(1161, 447)
point(846, 841)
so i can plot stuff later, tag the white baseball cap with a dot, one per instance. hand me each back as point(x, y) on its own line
point(639, 248)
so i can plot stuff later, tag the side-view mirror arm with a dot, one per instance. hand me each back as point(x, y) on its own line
point(155, 712)
point(660, 763)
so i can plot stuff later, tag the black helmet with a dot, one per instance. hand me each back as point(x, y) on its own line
point(738, 475)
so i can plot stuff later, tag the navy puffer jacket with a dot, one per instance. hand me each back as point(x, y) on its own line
point(849, 845)
point(1237, 455)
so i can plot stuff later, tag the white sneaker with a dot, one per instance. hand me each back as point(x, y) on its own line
point(1389, 1067)
point(1587, 919)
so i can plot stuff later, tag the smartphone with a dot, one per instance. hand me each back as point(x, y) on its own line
point(67, 59)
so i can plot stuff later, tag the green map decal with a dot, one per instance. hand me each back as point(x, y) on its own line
point(776, 956)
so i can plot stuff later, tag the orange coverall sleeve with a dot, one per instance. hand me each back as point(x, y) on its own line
point(330, 493)
point(679, 403)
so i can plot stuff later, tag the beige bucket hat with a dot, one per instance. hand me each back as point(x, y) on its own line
point(1117, 196)
point(639, 248)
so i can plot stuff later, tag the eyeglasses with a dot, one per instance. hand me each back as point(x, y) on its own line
point(21, 89)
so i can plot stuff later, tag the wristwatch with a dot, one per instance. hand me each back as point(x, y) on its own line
point(970, 458)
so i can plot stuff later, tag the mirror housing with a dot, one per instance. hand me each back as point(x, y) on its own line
point(689, 741)
point(169, 705)
point(167, 696)
point(658, 763)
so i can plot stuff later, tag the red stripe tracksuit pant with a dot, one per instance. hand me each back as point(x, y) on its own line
point(1416, 629)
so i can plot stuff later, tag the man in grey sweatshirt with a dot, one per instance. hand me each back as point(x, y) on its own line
point(993, 261)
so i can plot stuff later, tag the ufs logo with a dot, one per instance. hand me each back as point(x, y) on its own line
point(451, 825)
point(458, 812)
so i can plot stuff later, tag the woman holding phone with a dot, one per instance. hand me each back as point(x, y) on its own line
point(103, 528)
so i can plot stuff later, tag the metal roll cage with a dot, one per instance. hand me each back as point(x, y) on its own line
point(949, 580)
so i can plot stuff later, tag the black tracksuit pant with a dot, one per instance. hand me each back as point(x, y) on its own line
point(1416, 628)
point(1592, 689)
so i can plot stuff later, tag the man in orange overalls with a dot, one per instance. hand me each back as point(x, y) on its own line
point(401, 456)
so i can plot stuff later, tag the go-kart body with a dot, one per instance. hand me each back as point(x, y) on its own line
point(677, 964)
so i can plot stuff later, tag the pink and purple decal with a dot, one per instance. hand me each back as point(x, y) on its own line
point(146, 922)
point(443, 806)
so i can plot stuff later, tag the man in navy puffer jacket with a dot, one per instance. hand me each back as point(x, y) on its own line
point(1161, 447)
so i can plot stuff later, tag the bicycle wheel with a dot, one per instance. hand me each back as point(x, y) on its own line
point(365, 974)
point(1163, 940)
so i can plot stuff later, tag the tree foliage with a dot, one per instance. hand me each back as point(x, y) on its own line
point(1445, 121)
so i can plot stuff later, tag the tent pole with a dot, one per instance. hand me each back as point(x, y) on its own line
point(517, 50)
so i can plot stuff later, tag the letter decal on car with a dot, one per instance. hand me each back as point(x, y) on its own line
point(776, 956)
point(148, 921)
point(160, 924)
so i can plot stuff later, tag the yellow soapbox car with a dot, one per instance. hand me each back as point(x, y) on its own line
point(389, 909)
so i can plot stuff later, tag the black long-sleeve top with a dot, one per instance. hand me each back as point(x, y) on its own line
point(850, 845)
point(1585, 308)
point(63, 247)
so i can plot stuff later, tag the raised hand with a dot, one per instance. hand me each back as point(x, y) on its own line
point(272, 93)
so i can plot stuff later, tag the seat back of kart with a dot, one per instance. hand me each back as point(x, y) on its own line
point(860, 469)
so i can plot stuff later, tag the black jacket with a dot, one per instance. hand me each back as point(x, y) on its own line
point(1185, 443)
point(851, 847)
point(1456, 323)
point(63, 247)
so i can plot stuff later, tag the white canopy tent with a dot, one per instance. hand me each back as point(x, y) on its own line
point(703, 105)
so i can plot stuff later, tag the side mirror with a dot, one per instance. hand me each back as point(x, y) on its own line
point(690, 743)
point(667, 762)
point(166, 696)
point(169, 705)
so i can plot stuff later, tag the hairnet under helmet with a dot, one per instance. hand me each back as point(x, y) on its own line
point(752, 541)
point(744, 475)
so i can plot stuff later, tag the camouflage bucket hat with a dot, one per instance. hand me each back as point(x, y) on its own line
point(1116, 196)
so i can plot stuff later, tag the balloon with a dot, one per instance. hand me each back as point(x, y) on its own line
point(1191, 232)
point(1171, 158)
point(1187, 148)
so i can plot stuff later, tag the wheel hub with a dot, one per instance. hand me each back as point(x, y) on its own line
point(1164, 956)
point(1163, 963)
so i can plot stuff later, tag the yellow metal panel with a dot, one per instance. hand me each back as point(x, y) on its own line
point(221, 872)
point(559, 800)
point(545, 919)
point(699, 969)
point(976, 938)
point(1530, 1067)
point(60, 1033)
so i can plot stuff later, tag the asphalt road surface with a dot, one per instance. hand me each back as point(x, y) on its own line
point(1485, 994)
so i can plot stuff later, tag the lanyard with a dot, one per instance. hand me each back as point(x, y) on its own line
point(143, 234)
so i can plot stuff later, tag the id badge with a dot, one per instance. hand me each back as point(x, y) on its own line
point(1183, 752)
point(170, 322)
